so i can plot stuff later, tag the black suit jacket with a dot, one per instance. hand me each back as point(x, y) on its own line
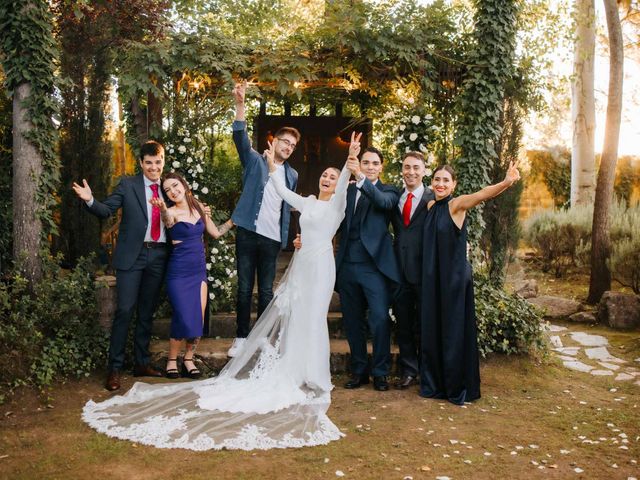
point(129, 195)
point(407, 243)
point(378, 201)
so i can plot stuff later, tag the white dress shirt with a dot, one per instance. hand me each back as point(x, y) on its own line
point(417, 196)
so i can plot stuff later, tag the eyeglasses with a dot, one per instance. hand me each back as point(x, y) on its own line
point(287, 143)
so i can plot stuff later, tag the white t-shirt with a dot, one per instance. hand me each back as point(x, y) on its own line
point(268, 222)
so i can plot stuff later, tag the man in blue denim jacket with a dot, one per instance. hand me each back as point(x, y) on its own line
point(261, 216)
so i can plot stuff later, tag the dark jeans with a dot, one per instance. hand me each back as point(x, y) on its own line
point(407, 309)
point(254, 252)
point(139, 286)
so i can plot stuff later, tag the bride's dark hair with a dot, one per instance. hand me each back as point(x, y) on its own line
point(192, 203)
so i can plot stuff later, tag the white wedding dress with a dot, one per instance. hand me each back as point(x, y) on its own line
point(276, 392)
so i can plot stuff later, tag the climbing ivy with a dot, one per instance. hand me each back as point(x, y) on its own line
point(491, 67)
point(28, 55)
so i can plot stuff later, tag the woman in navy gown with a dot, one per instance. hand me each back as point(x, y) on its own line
point(186, 222)
point(449, 347)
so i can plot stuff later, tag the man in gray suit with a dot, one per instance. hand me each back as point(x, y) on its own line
point(139, 259)
point(408, 224)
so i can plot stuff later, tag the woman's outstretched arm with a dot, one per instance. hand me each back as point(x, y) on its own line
point(465, 202)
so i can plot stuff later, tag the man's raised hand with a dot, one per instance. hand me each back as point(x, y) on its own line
point(84, 191)
point(239, 91)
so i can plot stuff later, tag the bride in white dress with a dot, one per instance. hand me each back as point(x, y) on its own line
point(275, 393)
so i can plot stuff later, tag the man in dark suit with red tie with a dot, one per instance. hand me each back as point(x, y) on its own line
point(139, 259)
point(408, 222)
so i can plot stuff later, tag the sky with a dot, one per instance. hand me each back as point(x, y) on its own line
point(630, 127)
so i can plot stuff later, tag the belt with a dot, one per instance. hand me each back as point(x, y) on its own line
point(154, 244)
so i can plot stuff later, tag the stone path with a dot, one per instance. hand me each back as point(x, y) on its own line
point(587, 353)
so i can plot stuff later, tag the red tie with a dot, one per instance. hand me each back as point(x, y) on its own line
point(155, 215)
point(406, 210)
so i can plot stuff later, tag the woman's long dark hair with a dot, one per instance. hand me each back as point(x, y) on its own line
point(192, 203)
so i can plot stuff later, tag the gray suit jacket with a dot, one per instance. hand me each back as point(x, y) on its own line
point(130, 196)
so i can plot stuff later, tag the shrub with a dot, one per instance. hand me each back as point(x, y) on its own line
point(625, 263)
point(51, 333)
point(506, 323)
point(558, 238)
point(562, 238)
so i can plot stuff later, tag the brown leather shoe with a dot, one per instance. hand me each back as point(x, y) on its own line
point(146, 371)
point(113, 381)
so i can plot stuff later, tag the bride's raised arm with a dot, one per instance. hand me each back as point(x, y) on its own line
point(292, 198)
point(340, 198)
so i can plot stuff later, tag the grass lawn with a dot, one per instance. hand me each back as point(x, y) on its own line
point(536, 419)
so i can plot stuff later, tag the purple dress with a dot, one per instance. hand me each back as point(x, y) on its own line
point(185, 273)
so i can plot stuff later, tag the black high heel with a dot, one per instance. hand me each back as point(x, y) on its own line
point(172, 373)
point(193, 373)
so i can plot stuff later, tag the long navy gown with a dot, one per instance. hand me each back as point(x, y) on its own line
point(185, 273)
point(449, 366)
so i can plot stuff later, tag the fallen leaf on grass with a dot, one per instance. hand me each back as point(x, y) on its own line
point(425, 468)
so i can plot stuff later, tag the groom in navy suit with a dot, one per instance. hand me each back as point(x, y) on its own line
point(140, 258)
point(366, 269)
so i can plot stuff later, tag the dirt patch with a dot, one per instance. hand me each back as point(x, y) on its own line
point(535, 419)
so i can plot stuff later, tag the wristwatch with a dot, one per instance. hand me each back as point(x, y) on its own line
point(361, 177)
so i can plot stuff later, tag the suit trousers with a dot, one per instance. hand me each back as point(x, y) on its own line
point(407, 309)
point(360, 285)
point(138, 286)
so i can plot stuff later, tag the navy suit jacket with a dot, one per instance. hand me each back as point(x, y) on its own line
point(130, 196)
point(407, 242)
point(379, 202)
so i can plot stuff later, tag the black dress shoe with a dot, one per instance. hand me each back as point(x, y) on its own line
point(356, 381)
point(380, 383)
point(146, 371)
point(113, 381)
point(406, 381)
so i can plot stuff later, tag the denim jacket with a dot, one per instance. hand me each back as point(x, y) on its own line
point(254, 178)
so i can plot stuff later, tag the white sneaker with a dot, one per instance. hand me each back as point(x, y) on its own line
point(237, 345)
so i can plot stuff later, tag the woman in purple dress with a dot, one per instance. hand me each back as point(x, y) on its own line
point(186, 222)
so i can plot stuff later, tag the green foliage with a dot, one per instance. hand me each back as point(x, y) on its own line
point(506, 323)
point(500, 239)
point(491, 67)
point(625, 262)
point(28, 55)
point(627, 178)
point(562, 238)
point(553, 167)
point(51, 333)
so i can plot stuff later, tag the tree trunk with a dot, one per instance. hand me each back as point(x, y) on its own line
point(583, 160)
point(600, 241)
point(27, 169)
